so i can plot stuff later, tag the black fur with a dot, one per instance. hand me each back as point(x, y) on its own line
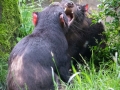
point(83, 33)
point(31, 59)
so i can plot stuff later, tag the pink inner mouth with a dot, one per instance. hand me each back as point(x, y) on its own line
point(69, 14)
point(69, 18)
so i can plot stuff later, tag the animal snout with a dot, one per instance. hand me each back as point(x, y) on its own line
point(70, 4)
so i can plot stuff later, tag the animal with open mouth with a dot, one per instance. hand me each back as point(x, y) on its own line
point(82, 33)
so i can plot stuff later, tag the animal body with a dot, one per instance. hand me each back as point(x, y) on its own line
point(33, 58)
point(82, 34)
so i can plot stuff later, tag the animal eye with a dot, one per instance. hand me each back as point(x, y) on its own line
point(79, 8)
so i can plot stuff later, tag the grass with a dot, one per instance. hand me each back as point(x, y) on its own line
point(102, 79)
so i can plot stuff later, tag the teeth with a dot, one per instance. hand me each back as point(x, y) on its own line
point(72, 12)
point(65, 9)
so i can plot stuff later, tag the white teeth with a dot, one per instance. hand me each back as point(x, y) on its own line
point(65, 9)
point(71, 12)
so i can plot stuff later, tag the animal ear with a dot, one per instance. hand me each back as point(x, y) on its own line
point(63, 21)
point(86, 7)
point(35, 18)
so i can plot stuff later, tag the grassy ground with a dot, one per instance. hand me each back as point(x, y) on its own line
point(106, 78)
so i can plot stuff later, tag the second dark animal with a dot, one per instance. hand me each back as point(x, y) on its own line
point(82, 32)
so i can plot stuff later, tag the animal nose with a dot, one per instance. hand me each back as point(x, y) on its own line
point(70, 4)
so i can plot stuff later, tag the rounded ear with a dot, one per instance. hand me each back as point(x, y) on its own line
point(63, 20)
point(86, 7)
point(35, 18)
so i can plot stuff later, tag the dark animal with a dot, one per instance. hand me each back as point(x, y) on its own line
point(33, 58)
point(82, 32)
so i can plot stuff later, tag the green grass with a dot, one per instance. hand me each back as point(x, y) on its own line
point(3, 74)
point(102, 79)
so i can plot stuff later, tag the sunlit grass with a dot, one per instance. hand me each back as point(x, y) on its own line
point(103, 79)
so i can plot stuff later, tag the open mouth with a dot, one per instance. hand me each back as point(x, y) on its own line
point(69, 13)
